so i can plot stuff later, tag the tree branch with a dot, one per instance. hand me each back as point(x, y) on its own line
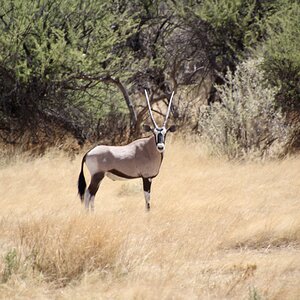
point(116, 81)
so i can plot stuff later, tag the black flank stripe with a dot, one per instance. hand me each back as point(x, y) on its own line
point(120, 174)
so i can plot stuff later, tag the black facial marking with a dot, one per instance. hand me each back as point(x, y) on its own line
point(160, 138)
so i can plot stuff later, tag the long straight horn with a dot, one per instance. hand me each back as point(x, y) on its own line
point(169, 108)
point(150, 111)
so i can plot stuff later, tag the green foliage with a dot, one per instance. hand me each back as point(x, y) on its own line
point(225, 32)
point(11, 264)
point(56, 39)
point(222, 13)
point(54, 60)
point(246, 123)
point(231, 28)
point(253, 294)
point(281, 53)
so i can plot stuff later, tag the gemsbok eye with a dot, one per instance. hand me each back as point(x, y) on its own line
point(140, 159)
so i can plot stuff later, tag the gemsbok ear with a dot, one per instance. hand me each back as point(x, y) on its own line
point(172, 128)
point(146, 128)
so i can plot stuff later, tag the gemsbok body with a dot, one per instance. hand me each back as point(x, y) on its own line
point(140, 159)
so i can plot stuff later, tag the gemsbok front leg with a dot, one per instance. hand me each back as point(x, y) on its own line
point(147, 189)
point(91, 191)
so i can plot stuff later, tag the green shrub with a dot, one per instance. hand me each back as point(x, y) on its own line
point(11, 264)
point(253, 294)
point(282, 56)
point(246, 122)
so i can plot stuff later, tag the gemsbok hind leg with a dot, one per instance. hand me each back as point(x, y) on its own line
point(91, 191)
point(147, 188)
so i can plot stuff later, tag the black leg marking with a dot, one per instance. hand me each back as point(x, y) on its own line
point(92, 189)
point(147, 188)
point(95, 183)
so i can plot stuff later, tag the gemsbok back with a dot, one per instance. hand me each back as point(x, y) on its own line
point(140, 159)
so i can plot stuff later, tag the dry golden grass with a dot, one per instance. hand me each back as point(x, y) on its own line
point(216, 230)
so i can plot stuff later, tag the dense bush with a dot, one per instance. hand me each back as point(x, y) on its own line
point(247, 121)
point(55, 61)
point(282, 56)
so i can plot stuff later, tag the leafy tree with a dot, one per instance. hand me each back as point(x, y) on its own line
point(225, 31)
point(53, 56)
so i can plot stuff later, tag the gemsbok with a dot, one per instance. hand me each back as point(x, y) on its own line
point(140, 159)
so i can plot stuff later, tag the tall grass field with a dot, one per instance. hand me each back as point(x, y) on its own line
point(216, 230)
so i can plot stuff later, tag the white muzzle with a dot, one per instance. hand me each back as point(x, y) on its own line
point(160, 147)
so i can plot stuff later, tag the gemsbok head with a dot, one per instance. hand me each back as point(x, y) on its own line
point(140, 159)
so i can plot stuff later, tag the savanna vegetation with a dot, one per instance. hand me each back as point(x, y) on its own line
point(225, 217)
point(79, 68)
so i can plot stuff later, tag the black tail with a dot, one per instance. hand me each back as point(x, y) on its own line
point(81, 181)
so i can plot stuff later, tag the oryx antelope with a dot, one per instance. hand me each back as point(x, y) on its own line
point(140, 159)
